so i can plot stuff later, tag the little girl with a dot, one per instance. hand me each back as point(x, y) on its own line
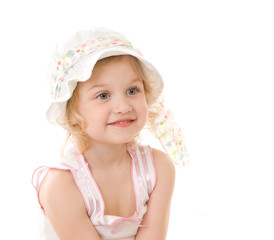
point(106, 184)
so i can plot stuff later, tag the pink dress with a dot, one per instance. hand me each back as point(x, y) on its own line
point(143, 176)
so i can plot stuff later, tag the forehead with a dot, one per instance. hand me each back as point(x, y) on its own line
point(114, 69)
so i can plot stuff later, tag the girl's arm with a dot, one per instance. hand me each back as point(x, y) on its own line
point(65, 208)
point(156, 219)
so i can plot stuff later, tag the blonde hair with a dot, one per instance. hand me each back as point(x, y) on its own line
point(76, 124)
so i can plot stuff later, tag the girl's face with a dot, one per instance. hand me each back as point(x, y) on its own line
point(113, 102)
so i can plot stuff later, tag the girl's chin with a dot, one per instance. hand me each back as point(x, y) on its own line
point(118, 140)
point(116, 136)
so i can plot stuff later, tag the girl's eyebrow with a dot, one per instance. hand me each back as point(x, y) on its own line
point(135, 80)
point(97, 86)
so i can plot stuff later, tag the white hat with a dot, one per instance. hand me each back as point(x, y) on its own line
point(74, 61)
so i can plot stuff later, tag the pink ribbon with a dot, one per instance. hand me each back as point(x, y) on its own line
point(121, 222)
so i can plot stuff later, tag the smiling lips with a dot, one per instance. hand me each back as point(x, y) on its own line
point(122, 123)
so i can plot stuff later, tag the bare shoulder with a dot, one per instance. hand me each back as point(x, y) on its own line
point(164, 166)
point(57, 188)
point(65, 207)
point(56, 178)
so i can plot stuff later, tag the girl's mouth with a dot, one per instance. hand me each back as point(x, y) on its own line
point(122, 123)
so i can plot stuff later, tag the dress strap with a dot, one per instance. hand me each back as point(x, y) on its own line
point(146, 166)
point(149, 167)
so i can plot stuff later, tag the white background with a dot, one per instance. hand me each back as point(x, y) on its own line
point(216, 58)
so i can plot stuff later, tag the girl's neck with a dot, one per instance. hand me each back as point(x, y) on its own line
point(106, 156)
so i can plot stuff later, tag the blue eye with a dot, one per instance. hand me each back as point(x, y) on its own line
point(103, 96)
point(132, 91)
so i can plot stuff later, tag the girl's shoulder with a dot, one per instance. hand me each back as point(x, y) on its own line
point(55, 182)
point(57, 186)
point(165, 167)
point(162, 159)
point(63, 205)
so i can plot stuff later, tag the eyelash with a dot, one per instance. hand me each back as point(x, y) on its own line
point(136, 90)
point(99, 96)
point(105, 93)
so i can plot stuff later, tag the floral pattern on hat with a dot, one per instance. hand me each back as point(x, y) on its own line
point(72, 56)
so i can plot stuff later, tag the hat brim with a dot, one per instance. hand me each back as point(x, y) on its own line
point(82, 71)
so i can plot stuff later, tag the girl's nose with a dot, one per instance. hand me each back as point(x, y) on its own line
point(121, 105)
